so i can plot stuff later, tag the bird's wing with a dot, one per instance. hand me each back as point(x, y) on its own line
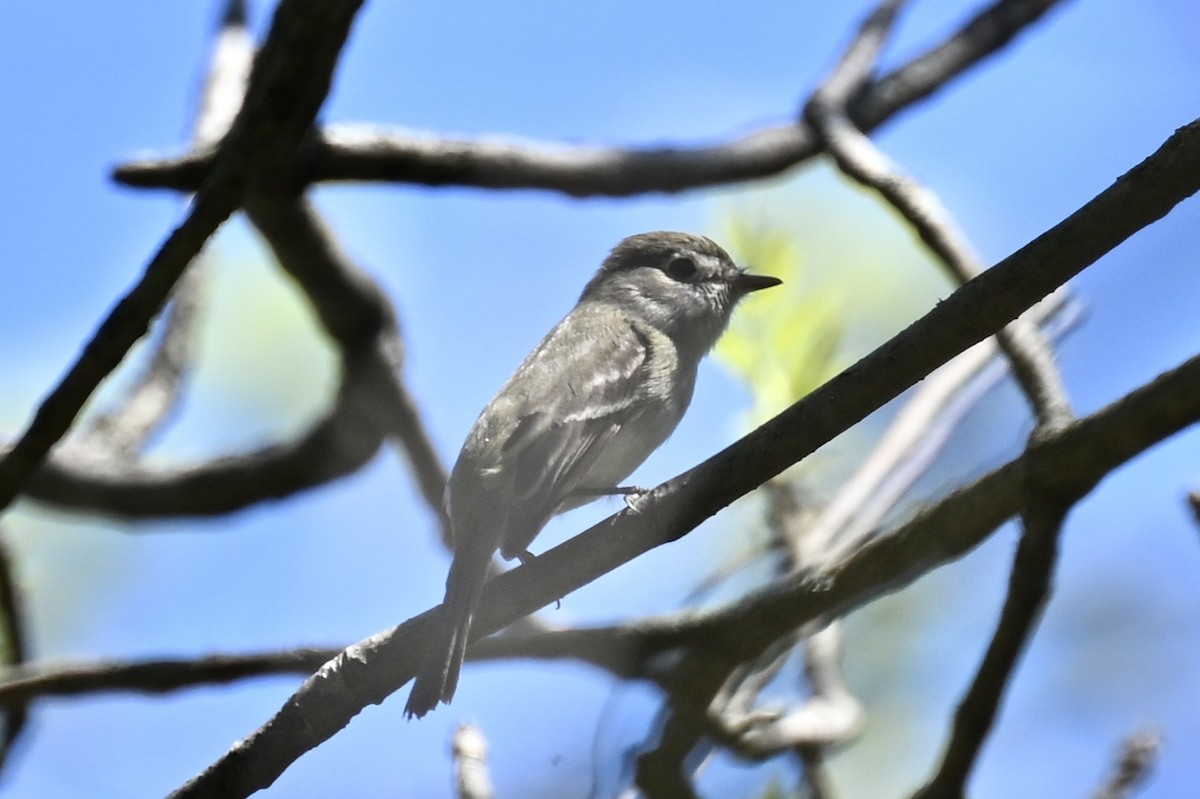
point(561, 434)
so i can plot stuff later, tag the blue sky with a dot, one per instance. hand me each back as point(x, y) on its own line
point(478, 277)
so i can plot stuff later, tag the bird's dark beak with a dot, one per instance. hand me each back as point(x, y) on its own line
point(746, 283)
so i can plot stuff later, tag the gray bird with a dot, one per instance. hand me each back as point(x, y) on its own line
point(601, 391)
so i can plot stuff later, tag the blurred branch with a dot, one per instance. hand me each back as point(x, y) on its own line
point(124, 429)
point(32, 681)
point(471, 778)
point(1138, 755)
point(1028, 590)
point(1086, 450)
point(830, 717)
point(372, 400)
point(915, 436)
point(289, 82)
point(338, 444)
point(407, 157)
point(1193, 501)
point(358, 315)
point(14, 650)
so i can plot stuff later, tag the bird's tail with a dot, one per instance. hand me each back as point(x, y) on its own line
point(438, 676)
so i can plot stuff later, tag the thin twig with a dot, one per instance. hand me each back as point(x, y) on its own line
point(913, 439)
point(830, 715)
point(1028, 590)
point(1137, 757)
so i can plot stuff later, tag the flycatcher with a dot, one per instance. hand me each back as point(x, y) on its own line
point(601, 391)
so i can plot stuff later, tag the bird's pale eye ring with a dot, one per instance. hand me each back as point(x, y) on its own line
point(682, 268)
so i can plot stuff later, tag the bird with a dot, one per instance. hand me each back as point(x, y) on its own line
point(600, 392)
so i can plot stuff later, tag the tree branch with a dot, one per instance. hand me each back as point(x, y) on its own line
point(858, 157)
point(357, 314)
point(408, 157)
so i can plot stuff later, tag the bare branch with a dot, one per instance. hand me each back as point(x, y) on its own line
point(1032, 363)
point(982, 35)
point(228, 75)
point(423, 159)
point(289, 83)
point(32, 681)
point(372, 400)
point(830, 717)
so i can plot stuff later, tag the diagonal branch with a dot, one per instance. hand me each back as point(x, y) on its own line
point(1079, 456)
point(915, 436)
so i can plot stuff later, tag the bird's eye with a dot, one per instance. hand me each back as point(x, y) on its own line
point(682, 268)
